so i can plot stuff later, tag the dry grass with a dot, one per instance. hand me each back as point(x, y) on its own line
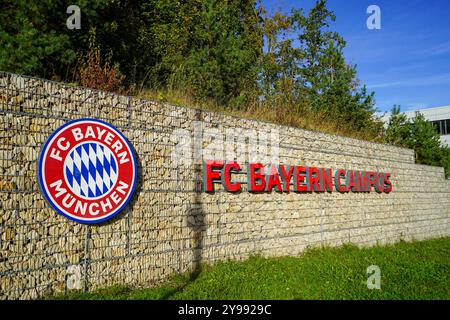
point(282, 113)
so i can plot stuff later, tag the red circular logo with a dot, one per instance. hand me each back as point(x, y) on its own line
point(87, 170)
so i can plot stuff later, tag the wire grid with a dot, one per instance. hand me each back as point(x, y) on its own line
point(170, 226)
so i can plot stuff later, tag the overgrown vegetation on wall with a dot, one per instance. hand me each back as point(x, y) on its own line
point(227, 55)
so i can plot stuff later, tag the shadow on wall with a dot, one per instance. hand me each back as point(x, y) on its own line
point(196, 216)
point(196, 222)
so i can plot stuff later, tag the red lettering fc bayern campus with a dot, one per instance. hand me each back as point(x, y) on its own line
point(286, 178)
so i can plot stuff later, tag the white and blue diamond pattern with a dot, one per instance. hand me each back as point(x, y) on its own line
point(90, 170)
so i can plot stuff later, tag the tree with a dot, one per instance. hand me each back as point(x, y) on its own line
point(304, 65)
point(445, 162)
point(425, 140)
point(33, 38)
point(399, 128)
point(420, 135)
point(221, 62)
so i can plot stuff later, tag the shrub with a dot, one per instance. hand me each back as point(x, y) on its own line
point(98, 74)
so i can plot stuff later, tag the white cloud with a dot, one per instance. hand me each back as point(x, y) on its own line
point(423, 81)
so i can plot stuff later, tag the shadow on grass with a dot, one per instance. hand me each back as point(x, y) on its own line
point(173, 291)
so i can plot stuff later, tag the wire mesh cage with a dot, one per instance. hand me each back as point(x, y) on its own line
point(171, 226)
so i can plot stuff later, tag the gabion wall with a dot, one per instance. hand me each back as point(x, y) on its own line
point(171, 226)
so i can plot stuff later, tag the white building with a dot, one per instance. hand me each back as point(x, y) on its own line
point(439, 116)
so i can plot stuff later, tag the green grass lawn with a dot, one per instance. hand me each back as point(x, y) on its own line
point(417, 270)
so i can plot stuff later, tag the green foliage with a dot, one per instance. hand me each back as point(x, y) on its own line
point(33, 39)
point(417, 270)
point(221, 62)
point(399, 129)
point(420, 135)
point(445, 160)
point(231, 52)
point(424, 139)
point(36, 41)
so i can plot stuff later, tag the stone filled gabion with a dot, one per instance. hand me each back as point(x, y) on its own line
point(170, 226)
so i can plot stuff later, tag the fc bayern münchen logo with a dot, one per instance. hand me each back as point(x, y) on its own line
point(87, 170)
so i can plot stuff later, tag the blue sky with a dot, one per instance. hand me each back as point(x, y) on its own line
point(407, 62)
